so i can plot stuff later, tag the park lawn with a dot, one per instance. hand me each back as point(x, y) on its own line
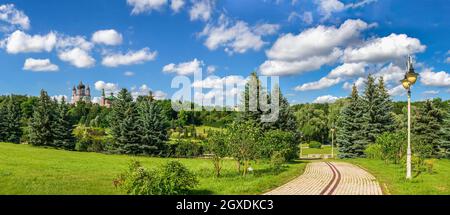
point(326, 149)
point(25, 169)
point(392, 178)
point(200, 130)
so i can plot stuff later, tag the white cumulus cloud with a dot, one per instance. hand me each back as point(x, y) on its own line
point(435, 79)
point(130, 58)
point(320, 84)
point(109, 87)
point(236, 37)
point(142, 6)
point(176, 5)
point(39, 65)
point(325, 99)
point(311, 49)
point(14, 17)
point(77, 57)
point(185, 68)
point(201, 10)
point(107, 37)
point(20, 42)
point(377, 50)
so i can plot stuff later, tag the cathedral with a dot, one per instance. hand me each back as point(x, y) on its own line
point(81, 93)
point(106, 101)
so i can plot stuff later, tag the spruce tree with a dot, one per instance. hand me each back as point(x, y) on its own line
point(444, 145)
point(286, 119)
point(12, 119)
point(124, 126)
point(41, 123)
point(377, 107)
point(153, 127)
point(427, 130)
point(251, 108)
point(350, 138)
point(3, 122)
point(62, 127)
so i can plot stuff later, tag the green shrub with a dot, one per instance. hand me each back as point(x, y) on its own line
point(374, 151)
point(277, 160)
point(186, 148)
point(392, 146)
point(281, 142)
point(315, 145)
point(171, 179)
point(90, 139)
point(177, 179)
point(429, 164)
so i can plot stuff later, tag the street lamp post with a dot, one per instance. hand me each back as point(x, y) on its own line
point(332, 142)
point(409, 80)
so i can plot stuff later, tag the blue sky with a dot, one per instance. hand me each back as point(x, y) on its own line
point(318, 48)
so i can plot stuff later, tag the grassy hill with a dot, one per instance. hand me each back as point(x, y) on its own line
point(26, 169)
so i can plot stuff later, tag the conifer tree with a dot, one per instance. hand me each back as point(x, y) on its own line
point(41, 123)
point(3, 122)
point(349, 134)
point(153, 127)
point(427, 130)
point(444, 145)
point(377, 107)
point(286, 119)
point(123, 124)
point(12, 120)
point(251, 107)
point(62, 127)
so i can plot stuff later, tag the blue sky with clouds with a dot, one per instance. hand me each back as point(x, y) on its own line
point(318, 47)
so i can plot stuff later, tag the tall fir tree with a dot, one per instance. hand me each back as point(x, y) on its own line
point(153, 127)
point(13, 121)
point(124, 124)
point(427, 129)
point(251, 107)
point(444, 145)
point(41, 123)
point(286, 120)
point(62, 127)
point(377, 107)
point(3, 122)
point(350, 138)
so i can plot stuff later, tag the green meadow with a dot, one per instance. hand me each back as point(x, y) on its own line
point(25, 169)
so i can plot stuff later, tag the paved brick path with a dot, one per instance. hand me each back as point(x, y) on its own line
point(331, 178)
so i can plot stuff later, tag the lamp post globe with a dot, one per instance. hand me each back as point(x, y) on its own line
point(405, 83)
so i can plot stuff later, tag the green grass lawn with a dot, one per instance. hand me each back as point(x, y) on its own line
point(392, 177)
point(26, 169)
point(326, 149)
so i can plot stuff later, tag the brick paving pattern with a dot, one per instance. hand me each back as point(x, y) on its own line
point(331, 178)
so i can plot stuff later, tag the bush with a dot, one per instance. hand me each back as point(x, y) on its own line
point(282, 142)
point(187, 148)
point(277, 160)
point(429, 164)
point(392, 146)
point(171, 179)
point(177, 179)
point(374, 151)
point(218, 148)
point(90, 139)
point(315, 145)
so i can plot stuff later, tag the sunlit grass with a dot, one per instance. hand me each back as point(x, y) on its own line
point(26, 169)
point(392, 177)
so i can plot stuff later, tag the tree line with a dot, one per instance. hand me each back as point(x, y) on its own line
point(368, 116)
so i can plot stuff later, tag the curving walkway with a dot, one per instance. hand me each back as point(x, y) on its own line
point(331, 178)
